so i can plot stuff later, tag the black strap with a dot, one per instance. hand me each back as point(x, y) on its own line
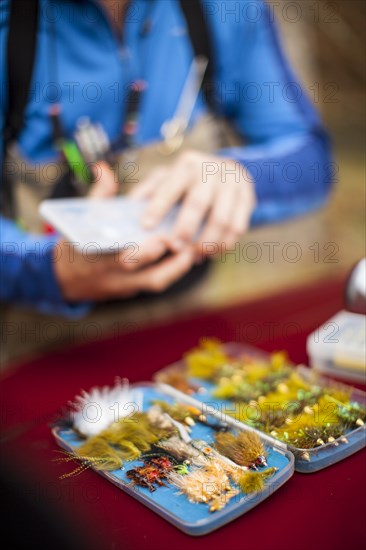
point(21, 47)
point(22, 39)
point(201, 42)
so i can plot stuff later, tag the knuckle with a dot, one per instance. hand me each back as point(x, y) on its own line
point(128, 265)
point(220, 222)
point(184, 232)
point(159, 171)
point(189, 156)
point(156, 284)
point(235, 236)
point(244, 192)
point(186, 264)
point(238, 227)
point(158, 204)
point(230, 242)
point(196, 202)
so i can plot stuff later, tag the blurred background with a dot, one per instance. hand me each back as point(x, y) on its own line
point(325, 42)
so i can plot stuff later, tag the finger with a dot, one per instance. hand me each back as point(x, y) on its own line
point(193, 212)
point(220, 219)
point(176, 181)
point(136, 257)
point(155, 279)
point(105, 184)
point(148, 185)
point(117, 284)
point(159, 277)
point(240, 221)
point(229, 241)
point(239, 225)
point(241, 216)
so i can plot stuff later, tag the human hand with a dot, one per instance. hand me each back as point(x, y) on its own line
point(122, 274)
point(216, 194)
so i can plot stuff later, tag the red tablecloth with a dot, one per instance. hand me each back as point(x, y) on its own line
point(325, 510)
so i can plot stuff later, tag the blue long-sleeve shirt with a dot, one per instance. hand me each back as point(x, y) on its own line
point(286, 149)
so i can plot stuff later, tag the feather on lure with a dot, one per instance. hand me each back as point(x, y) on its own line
point(244, 448)
point(95, 410)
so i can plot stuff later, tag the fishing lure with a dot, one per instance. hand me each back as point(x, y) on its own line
point(183, 451)
point(83, 463)
point(189, 415)
point(105, 457)
point(159, 419)
point(206, 360)
point(156, 468)
point(253, 482)
point(151, 474)
point(138, 432)
point(180, 412)
point(244, 448)
point(209, 484)
point(177, 379)
point(94, 411)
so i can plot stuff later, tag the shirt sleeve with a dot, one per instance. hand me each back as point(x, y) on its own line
point(26, 261)
point(26, 272)
point(287, 151)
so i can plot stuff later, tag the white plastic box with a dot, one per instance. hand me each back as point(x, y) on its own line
point(338, 347)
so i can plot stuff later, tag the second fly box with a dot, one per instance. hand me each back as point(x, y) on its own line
point(320, 421)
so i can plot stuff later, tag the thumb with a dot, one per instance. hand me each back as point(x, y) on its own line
point(105, 184)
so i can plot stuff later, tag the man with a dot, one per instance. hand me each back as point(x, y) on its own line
point(88, 52)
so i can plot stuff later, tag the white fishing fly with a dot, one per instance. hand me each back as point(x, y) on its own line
point(97, 409)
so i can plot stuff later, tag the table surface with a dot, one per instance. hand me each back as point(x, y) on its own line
point(322, 510)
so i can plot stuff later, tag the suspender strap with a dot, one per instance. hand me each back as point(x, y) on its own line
point(22, 40)
point(21, 46)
